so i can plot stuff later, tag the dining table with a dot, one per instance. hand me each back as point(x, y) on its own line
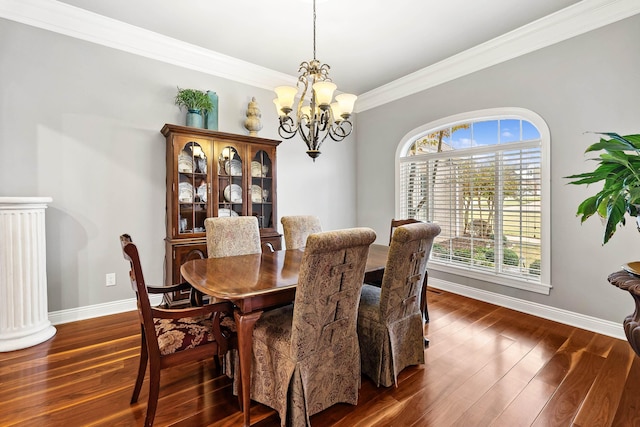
point(255, 283)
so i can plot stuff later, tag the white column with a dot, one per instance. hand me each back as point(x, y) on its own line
point(24, 320)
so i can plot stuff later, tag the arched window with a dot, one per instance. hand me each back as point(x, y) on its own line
point(483, 177)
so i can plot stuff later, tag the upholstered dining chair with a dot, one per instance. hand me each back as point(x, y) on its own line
point(390, 324)
point(395, 223)
point(306, 356)
point(232, 235)
point(173, 336)
point(297, 228)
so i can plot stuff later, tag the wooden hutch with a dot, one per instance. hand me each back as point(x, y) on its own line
point(212, 174)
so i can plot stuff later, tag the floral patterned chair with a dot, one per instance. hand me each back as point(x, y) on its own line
point(306, 356)
point(390, 327)
point(173, 336)
point(395, 223)
point(297, 229)
point(233, 235)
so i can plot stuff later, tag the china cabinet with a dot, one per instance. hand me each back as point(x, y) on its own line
point(213, 174)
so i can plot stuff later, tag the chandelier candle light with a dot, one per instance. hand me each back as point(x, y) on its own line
point(320, 117)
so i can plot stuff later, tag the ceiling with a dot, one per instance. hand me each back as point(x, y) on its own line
point(367, 43)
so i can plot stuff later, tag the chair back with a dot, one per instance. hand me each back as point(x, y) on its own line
point(395, 223)
point(130, 253)
point(404, 273)
point(230, 236)
point(297, 228)
point(328, 291)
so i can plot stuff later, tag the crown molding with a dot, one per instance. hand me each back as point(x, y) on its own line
point(572, 21)
point(75, 22)
point(72, 21)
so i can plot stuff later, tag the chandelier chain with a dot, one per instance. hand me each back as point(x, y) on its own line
point(314, 29)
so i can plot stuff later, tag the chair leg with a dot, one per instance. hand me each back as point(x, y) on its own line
point(142, 367)
point(423, 299)
point(196, 298)
point(154, 392)
point(423, 305)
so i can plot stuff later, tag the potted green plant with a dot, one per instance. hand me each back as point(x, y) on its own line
point(619, 168)
point(196, 102)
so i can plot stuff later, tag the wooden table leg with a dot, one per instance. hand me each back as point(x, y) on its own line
point(244, 325)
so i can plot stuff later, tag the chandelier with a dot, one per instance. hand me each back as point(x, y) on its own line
point(316, 117)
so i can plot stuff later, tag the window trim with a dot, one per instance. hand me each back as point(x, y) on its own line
point(500, 113)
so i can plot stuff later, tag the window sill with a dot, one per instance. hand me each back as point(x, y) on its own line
point(512, 282)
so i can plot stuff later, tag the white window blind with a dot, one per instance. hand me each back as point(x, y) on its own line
point(485, 193)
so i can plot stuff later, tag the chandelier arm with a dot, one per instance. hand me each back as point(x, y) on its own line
point(287, 128)
point(339, 131)
point(286, 135)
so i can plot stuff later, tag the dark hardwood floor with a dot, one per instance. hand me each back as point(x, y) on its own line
point(486, 366)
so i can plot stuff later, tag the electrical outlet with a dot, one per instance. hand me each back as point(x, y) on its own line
point(110, 279)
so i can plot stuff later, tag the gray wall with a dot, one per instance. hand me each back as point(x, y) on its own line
point(588, 83)
point(81, 123)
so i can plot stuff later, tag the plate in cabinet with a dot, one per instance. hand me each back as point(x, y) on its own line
point(233, 193)
point(256, 194)
point(185, 192)
point(227, 212)
point(256, 169)
point(233, 167)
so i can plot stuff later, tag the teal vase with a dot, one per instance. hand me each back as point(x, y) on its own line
point(195, 119)
point(211, 117)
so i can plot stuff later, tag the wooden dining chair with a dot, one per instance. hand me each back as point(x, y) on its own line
point(297, 228)
point(170, 337)
point(390, 324)
point(306, 356)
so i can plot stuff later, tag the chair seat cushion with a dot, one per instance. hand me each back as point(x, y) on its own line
point(188, 332)
point(274, 329)
point(369, 308)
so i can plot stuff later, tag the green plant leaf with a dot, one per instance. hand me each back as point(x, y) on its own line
point(632, 140)
point(617, 142)
point(615, 157)
point(615, 215)
point(610, 145)
point(587, 208)
point(603, 171)
point(634, 195)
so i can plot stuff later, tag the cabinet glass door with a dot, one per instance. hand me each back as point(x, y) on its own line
point(193, 188)
point(262, 189)
point(230, 182)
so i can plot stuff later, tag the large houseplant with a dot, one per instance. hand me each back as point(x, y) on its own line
point(619, 168)
point(196, 102)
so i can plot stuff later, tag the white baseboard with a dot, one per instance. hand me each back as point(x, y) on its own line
point(97, 310)
point(578, 320)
